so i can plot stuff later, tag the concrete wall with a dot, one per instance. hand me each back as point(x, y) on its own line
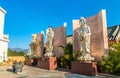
point(3, 50)
point(11, 59)
point(2, 17)
point(99, 41)
point(18, 58)
point(3, 38)
point(69, 39)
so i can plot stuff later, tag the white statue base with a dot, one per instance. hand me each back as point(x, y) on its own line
point(86, 58)
point(48, 54)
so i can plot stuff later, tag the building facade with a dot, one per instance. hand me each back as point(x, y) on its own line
point(69, 39)
point(3, 38)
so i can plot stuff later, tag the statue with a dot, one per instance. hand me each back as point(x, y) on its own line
point(84, 34)
point(49, 42)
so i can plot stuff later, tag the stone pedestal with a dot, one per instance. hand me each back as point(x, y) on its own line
point(29, 62)
point(49, 63)
point(89, 69)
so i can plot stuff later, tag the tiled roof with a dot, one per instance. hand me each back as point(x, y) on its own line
point(113, 32)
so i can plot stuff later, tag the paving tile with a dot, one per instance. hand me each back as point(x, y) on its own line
point(33, 72)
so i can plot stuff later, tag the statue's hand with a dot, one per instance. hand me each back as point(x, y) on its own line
point(84, 37)
point(81, 38)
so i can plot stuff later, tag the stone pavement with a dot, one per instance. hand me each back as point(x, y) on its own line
point(33, 72)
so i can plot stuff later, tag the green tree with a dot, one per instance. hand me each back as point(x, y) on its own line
point(15, 53)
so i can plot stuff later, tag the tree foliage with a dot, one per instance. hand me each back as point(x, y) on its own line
point(15, 53)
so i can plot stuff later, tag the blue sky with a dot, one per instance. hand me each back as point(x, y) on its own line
point(25, 17)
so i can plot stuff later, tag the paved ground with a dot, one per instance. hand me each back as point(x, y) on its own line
point(32, 72)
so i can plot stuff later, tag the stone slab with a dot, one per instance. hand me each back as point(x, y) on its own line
point(99, 41)
point(59, 39)
point(40, 44)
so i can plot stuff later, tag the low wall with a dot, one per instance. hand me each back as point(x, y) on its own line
point(13, 58)
point(10, 60)
point(18, 58)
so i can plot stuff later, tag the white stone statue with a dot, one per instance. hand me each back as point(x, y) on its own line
point(84, 34)
point(49, 42)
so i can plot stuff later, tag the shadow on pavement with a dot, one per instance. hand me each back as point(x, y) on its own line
point(71, 75)
point(63, 69)
point(10, 70)
point(23, 77)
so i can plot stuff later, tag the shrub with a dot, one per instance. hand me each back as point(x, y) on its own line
point(111, 64)
point(69, 56)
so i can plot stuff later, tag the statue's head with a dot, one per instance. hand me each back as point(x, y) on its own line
point(50, 28)
point(82, 21)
